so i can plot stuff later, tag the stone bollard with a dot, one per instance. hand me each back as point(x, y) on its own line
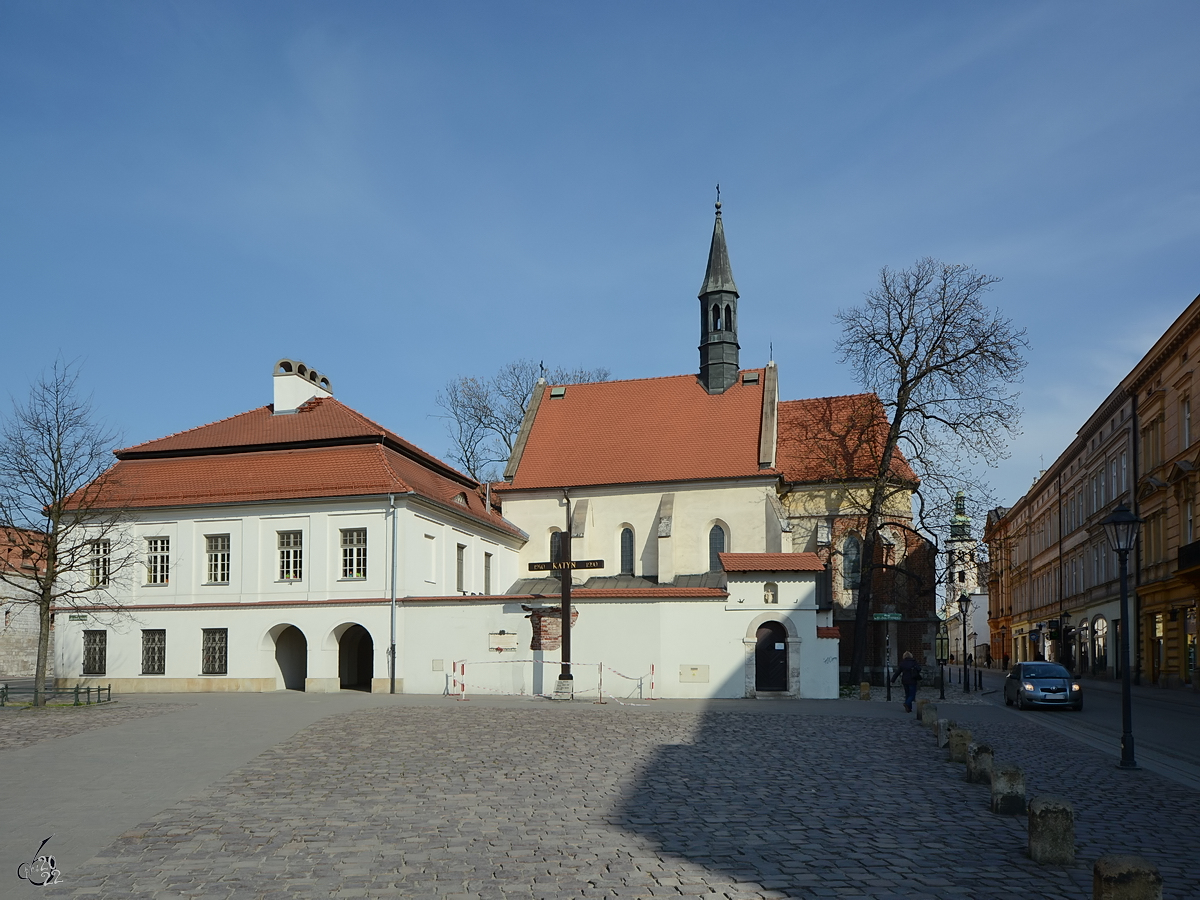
point(1125, 878)
point(864, 691)
point(1008, 790)
point(1051, 831)
point(979, 763)
point(959, 739)
point(943, 732)
point(921, 704)
point(929, 715)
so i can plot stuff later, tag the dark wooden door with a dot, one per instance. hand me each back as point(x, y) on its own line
point(770, 658)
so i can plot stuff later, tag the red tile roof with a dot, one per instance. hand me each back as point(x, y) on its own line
point(323, 421)
point(325, 449)
point(646, 430)
point(834, 439)
point(771, 562)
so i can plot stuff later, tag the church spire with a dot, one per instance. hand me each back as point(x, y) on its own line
point(718, 315)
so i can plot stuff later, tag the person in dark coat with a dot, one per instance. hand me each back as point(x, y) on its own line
point(909, 674)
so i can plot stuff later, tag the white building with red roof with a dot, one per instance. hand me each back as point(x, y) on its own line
point(274, 542)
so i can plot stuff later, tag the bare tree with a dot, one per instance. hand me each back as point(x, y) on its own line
point(484, 415)
point(942, 363)
point(62, 548)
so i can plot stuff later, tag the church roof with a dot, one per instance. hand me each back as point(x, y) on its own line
point(834, 439)
point(646, 430)
point(324, 449)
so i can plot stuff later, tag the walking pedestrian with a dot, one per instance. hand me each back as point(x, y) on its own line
point(909, 674)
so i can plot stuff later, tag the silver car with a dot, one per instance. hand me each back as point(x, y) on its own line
point(1042, 684)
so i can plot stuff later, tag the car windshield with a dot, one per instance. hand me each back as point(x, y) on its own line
point(1046, 671)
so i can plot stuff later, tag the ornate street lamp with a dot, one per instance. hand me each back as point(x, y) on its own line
point(941, 646)
point(964, 606)
point(1121, 529)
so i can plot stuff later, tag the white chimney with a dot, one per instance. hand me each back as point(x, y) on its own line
point(296, 384)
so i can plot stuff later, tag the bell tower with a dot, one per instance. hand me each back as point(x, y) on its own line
point(718, 317)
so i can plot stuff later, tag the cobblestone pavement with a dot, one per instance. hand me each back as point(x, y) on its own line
point(22, 726)
point(578, 801)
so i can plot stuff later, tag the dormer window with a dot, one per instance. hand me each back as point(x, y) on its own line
point(461, 499)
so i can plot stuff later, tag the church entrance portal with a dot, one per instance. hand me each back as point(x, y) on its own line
point(291, 655)
point(356, 656)
point(770, 658)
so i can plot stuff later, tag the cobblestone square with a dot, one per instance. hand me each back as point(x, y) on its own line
point(545, 800)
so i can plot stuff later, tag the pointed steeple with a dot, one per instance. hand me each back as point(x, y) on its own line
point(718, 316)
point(719, 274)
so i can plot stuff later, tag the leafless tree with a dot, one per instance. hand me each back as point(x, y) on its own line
point(943, 365)
point(61, 549)
point(484, 415)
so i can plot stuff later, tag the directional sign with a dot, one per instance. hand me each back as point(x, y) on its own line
point(888, 617)
point(568, 564)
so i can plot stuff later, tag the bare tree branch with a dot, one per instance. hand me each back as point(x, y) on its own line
point(483, 416)
point(942, 363)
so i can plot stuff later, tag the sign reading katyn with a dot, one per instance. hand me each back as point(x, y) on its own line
point(566, 564)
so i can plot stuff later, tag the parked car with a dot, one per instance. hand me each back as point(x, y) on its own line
point(1042, 684)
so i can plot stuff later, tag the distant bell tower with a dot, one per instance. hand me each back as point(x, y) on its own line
point(718, 316)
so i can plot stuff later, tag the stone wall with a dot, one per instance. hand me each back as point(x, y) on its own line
point(18, 639)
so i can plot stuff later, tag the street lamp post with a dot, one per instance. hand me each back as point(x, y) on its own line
point(1121, 529)
point(964, 606)
point(942, 651)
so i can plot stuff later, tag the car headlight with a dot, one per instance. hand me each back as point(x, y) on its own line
point(1076, 687)
point(1028, 686)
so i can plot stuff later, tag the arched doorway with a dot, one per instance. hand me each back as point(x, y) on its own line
point(291, 655)
point(356, 658)
point(770, 658)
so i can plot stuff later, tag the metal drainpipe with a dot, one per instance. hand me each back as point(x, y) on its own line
point(392, 648)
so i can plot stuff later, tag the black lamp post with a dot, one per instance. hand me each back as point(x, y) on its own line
point(942, 651)
point(1121, 529)
point(964, 606)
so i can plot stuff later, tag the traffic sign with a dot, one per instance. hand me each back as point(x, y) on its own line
point(566, 564)
point(888, 617)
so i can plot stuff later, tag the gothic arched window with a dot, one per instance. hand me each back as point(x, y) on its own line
point(716, 546)
point(728, 317)
point(716, 317)
point(851, 563)
point(626, 551)
point(555, 546)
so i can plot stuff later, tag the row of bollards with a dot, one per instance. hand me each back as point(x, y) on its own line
point(1051, 820)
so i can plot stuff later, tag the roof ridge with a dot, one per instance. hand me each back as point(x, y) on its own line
point(692, 375)
point(387, 432)
point(194, 428)
point(833, 397)
point(387, 463)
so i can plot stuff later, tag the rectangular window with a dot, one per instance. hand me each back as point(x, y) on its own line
point(1187, 422)
point(1124, 473)
point(1095, 494)
point(1190, 532)
point(101, 554)
point(460, 566)
point(354, 553)
point(154, 651)
point(95, 652)
point(1116, 485)
point(430, 559)
point(487, 573)
point(214, 652)
point(291, 555)
point(217, 546)
point(158, 560)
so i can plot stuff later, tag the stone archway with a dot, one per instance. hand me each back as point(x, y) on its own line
point(356, 659)
point(291, 655)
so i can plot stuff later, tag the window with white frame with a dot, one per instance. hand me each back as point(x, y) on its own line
point(217, 548)
point(291, 555)
point(100, 556)
point(95, 652)
point(354, 553)
point(154, 651)
point(214, 651)
point(158, 560)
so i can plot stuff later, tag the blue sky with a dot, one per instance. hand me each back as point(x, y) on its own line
point(399, 193)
